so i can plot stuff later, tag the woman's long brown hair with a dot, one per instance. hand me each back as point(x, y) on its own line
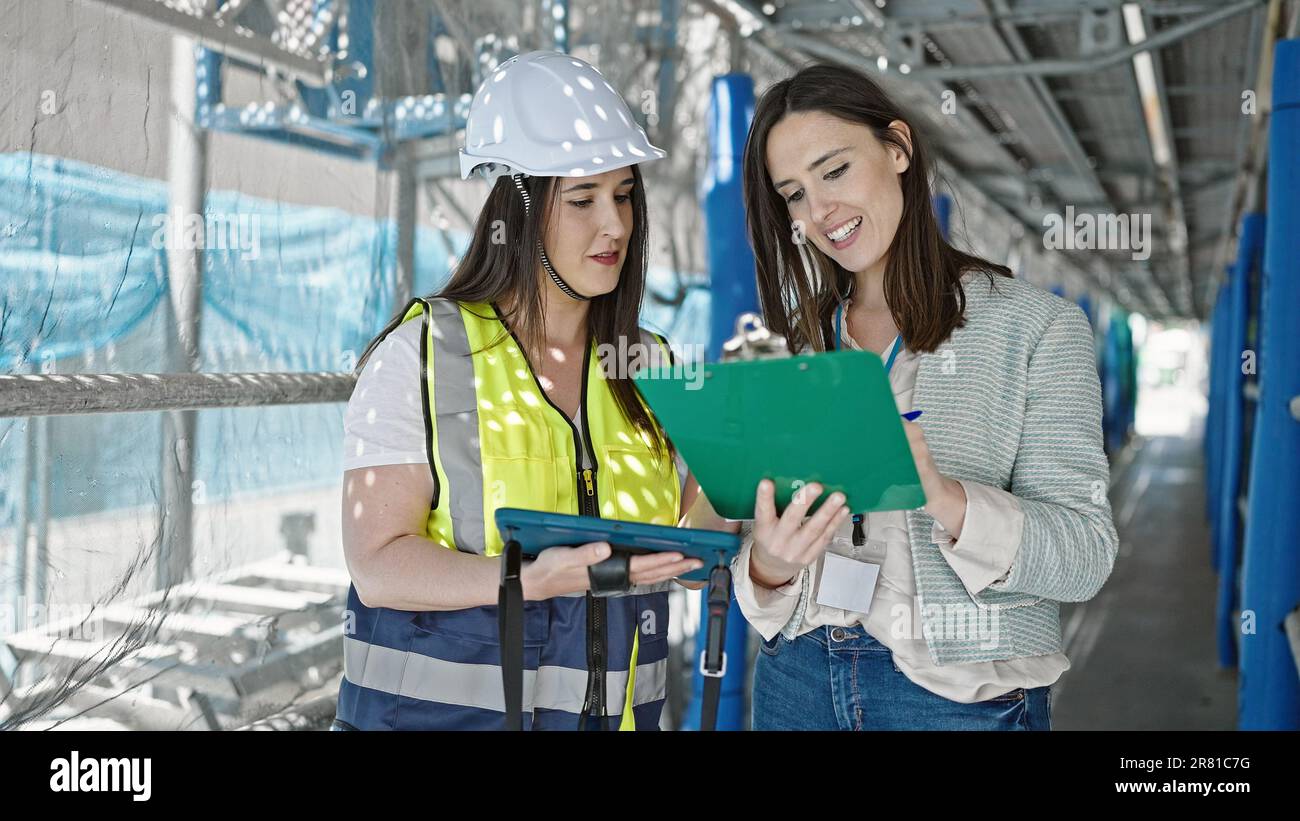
point(505, 275)
point(923, 271)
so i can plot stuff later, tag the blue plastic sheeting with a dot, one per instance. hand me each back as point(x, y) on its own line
point(83, 288)
point(82, 262)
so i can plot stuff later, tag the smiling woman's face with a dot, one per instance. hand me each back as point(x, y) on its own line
point(588, 229)
point(841, 183)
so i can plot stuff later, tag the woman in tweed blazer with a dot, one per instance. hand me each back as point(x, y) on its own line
point(962, 627)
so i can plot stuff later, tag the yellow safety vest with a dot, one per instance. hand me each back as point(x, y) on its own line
point(495, 440)
point(526, 451)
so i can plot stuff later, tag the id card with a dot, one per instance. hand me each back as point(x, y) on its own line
point(850, 583)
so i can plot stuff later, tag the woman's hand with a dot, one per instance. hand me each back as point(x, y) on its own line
point(653, 568)
point(784, 546)
point(561, 570)
point(945, 499)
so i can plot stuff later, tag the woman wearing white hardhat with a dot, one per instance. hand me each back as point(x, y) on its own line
point(545, 114)
point(487, 395)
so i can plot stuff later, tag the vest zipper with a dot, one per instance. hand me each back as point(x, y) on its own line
point(597, 614)
point(586, 486)
point(594, 703)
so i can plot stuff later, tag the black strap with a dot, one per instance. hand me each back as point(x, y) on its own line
point(709, 707)
point(713, 665)
point(510, 633)
point(611, 576)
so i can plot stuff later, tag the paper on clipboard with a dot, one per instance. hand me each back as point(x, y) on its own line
point(828, 418)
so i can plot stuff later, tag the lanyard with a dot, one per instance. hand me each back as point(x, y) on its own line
point(859, 537)
point(839, 338)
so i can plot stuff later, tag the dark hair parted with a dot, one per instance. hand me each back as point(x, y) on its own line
point(501, 267)
point(923, 271)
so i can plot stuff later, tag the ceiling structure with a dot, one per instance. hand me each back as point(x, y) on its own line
point(1100, 107)
point(1136, 115)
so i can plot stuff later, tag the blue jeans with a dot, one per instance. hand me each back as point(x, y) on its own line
point(840, 678)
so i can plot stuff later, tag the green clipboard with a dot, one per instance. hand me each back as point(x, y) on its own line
point(828, 418)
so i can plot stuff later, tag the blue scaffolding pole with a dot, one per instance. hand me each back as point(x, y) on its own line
point(1269, 695)
point(735, 291)
point(1226, 534)
point(1213, 440)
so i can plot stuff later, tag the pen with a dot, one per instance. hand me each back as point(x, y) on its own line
point(859, 537)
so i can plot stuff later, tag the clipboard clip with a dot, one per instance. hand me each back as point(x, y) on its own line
point(753, 340)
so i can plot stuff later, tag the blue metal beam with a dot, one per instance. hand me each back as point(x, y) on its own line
point(731, 260)
point(382, 125)
point(731, 269)
point(1227, 533)
point(1269, 697)
point(344, 118)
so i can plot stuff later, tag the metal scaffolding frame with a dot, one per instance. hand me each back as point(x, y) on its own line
point(407, 135)
point(410, 135)
point(60, 395)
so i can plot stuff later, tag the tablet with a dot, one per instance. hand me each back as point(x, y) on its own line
point(536, 530)
point(829, 418)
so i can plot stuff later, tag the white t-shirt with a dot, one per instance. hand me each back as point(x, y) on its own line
point(384, 420)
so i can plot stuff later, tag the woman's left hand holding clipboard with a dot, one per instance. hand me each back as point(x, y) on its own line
point(785, 544)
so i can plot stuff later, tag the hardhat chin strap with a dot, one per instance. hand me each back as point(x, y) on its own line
point(559, 283)
point(546, 262)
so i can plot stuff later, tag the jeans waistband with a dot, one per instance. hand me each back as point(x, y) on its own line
point(845, 638)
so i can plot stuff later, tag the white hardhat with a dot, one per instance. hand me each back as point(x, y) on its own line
point(548, 114)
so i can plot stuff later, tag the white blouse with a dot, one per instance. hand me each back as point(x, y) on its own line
point(894, 616)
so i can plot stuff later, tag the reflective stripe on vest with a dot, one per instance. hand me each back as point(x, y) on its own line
point(479, 685)
point(434, 670)
point(494, 442)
